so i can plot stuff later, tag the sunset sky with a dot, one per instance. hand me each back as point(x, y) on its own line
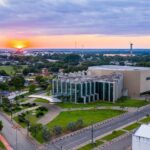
point(75, 23)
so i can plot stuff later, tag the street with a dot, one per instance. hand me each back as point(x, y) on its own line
point(14, 136)
point(72, 142)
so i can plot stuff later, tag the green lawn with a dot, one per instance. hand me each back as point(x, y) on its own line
point(123, 102)
point(41, 100)
point(145, 120)
point(88, 117)
point(91, 146)
point(10, 69)
point(132, 126)
point(113, 135)
point(2, 147)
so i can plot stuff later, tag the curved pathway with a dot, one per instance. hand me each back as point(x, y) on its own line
point(53, 112)
point(49, 98)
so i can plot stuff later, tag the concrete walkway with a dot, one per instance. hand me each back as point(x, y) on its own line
point(128, 109)
point(53, 112)
point(49, 98)
point(5, 143)
point(28, 101)
point(25, 110)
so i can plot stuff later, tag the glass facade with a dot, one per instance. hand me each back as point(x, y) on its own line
point(84, 92)
point(111, 92)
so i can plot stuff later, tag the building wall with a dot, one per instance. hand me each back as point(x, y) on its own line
point(144, 81)
point(131, 79)
point(139, 143)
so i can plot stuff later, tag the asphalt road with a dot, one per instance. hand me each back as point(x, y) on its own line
point(73, 141)
point(14, 136)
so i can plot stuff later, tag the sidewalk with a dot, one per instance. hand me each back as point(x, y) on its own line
point(4, 141)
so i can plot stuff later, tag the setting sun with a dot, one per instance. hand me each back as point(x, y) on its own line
point(19, 44)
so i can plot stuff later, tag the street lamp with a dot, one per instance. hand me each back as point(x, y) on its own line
point(11, 112)
point(92, 133)
point(28, 123)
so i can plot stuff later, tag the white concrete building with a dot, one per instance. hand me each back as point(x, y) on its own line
point(141, 138)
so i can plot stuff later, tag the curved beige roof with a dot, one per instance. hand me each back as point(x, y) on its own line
point(121, 68)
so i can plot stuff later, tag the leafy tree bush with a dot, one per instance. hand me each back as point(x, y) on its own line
point(17, 82)
point(32, 88)
point(4, 86)
point(21, 118)
point(46, 134)
point(1, 126)
point(35, 128)
point(79, 123)
point(71, 126)
point(39, 114)
point(42, 108)
point(57, 130)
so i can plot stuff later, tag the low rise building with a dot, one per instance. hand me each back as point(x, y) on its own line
point(141, 138)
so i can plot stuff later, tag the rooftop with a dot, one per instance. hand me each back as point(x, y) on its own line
point(79, 77)
point(143, 131)
point(121, 68)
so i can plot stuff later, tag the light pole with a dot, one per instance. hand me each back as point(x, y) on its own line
point(11, 112)
point(28, 124)
point(1, 102)
point(137, 114)
point(92, 133)
point(16, 138)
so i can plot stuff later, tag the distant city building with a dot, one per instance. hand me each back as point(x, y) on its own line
point(45, 72)
point(82, 88)
point(4, 78)
point(141, 138)
point(121, 55)
point(136, 80)
point(52, 60)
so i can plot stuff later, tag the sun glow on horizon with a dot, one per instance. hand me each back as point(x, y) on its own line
point(18, 44)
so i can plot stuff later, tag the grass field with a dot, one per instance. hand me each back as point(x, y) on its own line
point(132, 126)
point(88, 117)
point(10, 69)
point(91, 146)
point(145, 120)
point(2, 147)
point(113, 135)
point(41, 100)
point(123, 102)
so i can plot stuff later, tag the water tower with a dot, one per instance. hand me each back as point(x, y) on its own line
point(131, 49)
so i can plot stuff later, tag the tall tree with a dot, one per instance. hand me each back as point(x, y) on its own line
point(1, 126)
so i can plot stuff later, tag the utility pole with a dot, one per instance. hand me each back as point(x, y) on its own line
point(11, 110)
point(28, 124)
